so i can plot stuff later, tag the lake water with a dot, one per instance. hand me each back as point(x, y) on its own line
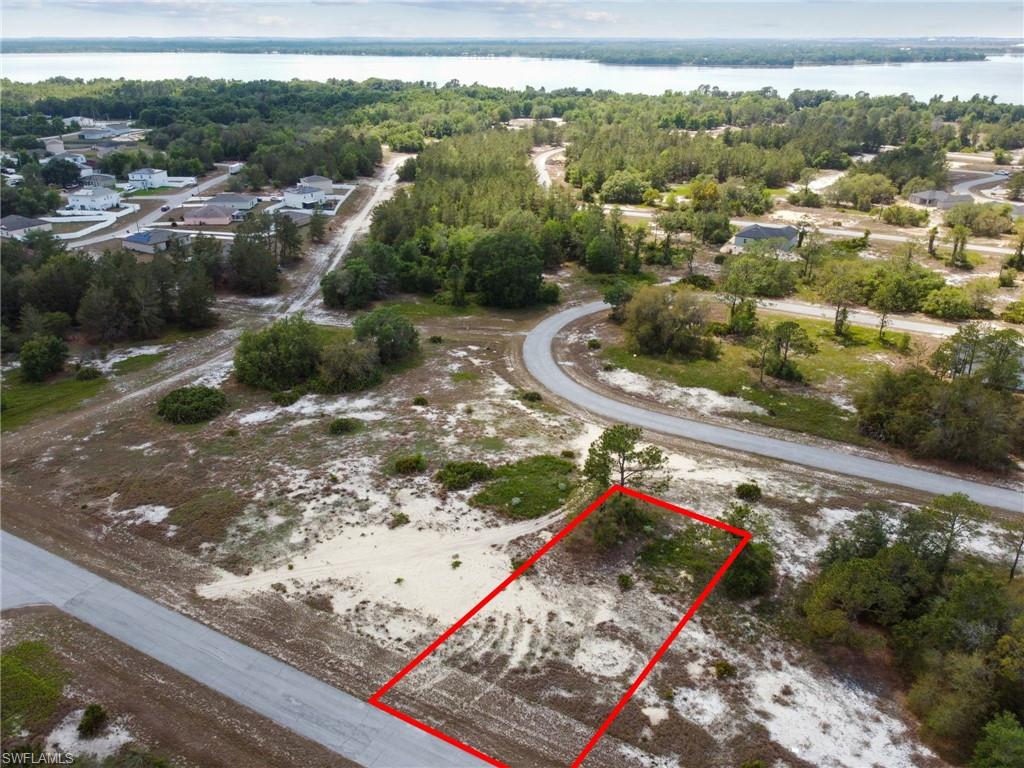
point(1001, 76)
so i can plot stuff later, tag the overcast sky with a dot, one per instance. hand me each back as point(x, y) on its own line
point(511, 18)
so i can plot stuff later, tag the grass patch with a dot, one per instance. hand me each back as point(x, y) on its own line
point(23, 401)
point(153, 192)
point(137, 363)
point(465, 376)
point(801, 411)
point(602, 281)
point(528, 488)
point(33, 684)
point(206, 517)
point(490, 443)
point(329, 334)
point(415, 309)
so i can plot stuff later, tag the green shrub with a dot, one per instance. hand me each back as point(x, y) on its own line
point(41, 357)
point(549, 293)
point(93, 721)
point(191, 405)
point(420, 400)
point(457, 475)
point(700, 282)
point(398, 519)
point(531, 396)
point(344, 426)
point(1014, 312)
point(88, 373)
point(282, 355)
point(625, 582)
point(394, 335)
point(349, 366)
point(410, 465)
point(593, 343)
point(1007, 277)
point(748, 491)
point(752, 573)
point(286, 398)
point(724, 670)
point(435, 339)
point(568, 453)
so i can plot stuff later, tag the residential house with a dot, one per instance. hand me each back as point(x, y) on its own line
point(209, 215)
point(152, 240)
point(787, 235)
point(937, 198)
point(71, 157)
point(53, 144)
point(304, 196)
point(320, 182)
point(15, 226)
point(235, 201)
point(94, 199)
point(148, 178)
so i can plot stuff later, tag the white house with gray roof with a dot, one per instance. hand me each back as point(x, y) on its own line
point(148, 178)
point(787, 235)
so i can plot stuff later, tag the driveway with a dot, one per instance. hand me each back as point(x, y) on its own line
point(540, 362)
point(344, 724)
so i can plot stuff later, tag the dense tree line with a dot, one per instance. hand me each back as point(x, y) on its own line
point(771, 53)
point(955, 625)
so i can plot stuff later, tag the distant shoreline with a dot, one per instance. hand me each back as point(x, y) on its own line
point(775, 54)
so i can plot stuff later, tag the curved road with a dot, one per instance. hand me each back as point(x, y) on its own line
point(30, 575)
point(540, 362)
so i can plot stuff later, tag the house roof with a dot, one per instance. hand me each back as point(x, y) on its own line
point(94, 192)
point(14, 222)
point(210, 212)
point(303, 189)
point(153, 237)
point(148, 171)
point(308, 179)
point(97, 176)
point(232, 197)
point(762, 232)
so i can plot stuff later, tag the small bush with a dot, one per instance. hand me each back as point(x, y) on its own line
point(41, 357)
point(398, 519)
point(531, 396)
point(457, 475)
point(625, 582)
point(456, 563)
point(1007, 277)
point(748, 491)
point(289, 397)
point(719, 258)
point(410, 465)
point(724, 670)
point(344, 426)
point(568, 453)
point(88, 373)
point(1014, 312)
point(320, 603)
point(700, 282)
point(93, 721)
point(549, 293)
point(435, 339)
point(191, 405)
point(593, 343)
point(420, 400)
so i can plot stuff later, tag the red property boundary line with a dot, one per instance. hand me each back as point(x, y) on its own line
point(375, 700)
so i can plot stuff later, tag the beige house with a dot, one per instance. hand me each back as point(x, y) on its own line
point(208, 215)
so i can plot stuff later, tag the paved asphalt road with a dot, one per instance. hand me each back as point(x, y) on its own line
point(541, 364)
point(342, 723)
point(172, 200)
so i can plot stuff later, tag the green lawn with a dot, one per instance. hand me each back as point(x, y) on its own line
point(32, 680)
point(138, 363)
point(154, 191)
point(528, 488)
point(807, 411)
point(415, 308)
point(26, 400)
